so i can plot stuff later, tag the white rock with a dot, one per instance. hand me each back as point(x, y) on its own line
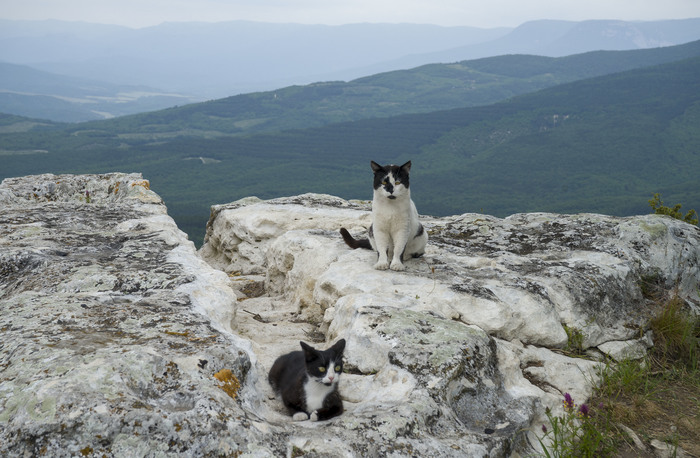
point(113, 327)
point(518, 279)
point(628, 349)
point(666, 450)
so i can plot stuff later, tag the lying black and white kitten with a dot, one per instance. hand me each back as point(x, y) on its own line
point(395, 233)
point(308, 381)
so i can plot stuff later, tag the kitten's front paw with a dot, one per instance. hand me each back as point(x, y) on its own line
point(314, 416)
point(300, 416)
point(397, 266)
point(381, 265)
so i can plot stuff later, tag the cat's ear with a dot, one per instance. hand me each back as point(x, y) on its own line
point(309, 351)
point(339, 347)
point(407, 166)
point(375, 167)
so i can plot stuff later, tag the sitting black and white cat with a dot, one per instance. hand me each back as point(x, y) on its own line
point(395, 233)
point(308, 381)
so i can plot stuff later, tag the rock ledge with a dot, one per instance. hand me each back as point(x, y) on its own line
point(118, 339)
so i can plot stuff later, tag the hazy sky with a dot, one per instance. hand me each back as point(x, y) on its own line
point(481, 13)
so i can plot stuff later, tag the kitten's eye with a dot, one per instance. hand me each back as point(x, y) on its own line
point(337, 369)
point(322, 369)
point(397, 182)
point(385, 182)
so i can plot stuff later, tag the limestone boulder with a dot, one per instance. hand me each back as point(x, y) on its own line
point(112, 329)
point(527, 277)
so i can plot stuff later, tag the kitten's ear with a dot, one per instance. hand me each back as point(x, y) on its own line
point(339, 347)
point(375, 167)
point(309, 351)
point(407, 166)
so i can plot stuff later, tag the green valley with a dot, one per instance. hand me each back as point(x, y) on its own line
point(602, 144)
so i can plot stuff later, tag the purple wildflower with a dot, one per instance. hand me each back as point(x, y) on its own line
point(583, 409)
point(568, 401)
point(544, 429)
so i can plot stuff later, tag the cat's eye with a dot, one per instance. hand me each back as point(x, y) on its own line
point(322, 369)
point(385, 182)
point(337, 369)
point(397, 182)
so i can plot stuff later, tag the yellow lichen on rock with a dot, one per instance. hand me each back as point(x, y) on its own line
point(229, 382)
point(144, 183)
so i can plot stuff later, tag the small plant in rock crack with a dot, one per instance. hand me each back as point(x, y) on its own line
point(574, 342)
point(577, 433)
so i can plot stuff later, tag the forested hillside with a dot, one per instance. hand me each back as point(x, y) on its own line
point(602, 145)
point(419, 90)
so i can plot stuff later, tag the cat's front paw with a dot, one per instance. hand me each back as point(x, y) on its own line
point(397, 266)
point(314, 416)
point(300, 416)
point(381, 265)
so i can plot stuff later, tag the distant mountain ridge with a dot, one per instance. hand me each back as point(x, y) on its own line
point(33, 93)
point(228, 58)
point(552, 38)
point(420, 90)
point(221, 59)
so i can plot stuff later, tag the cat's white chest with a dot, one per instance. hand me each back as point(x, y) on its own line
point(391, 217)
point(315, 394)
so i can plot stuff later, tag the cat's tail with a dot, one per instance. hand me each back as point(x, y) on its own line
point(354, 243)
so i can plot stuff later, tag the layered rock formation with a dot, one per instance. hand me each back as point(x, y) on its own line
point(112, 328)
point(118, 339)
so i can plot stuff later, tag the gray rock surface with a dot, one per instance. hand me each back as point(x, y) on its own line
point(112, 328)
point(474, 329)
point(117, 339)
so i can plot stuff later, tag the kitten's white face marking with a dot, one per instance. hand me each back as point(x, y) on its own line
point(317, 389)
point(331, 376)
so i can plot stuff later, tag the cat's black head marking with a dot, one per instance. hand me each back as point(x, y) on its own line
point(319, 361)
point(391, 175)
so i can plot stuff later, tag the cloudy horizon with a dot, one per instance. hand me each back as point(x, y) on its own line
point(495, 13)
